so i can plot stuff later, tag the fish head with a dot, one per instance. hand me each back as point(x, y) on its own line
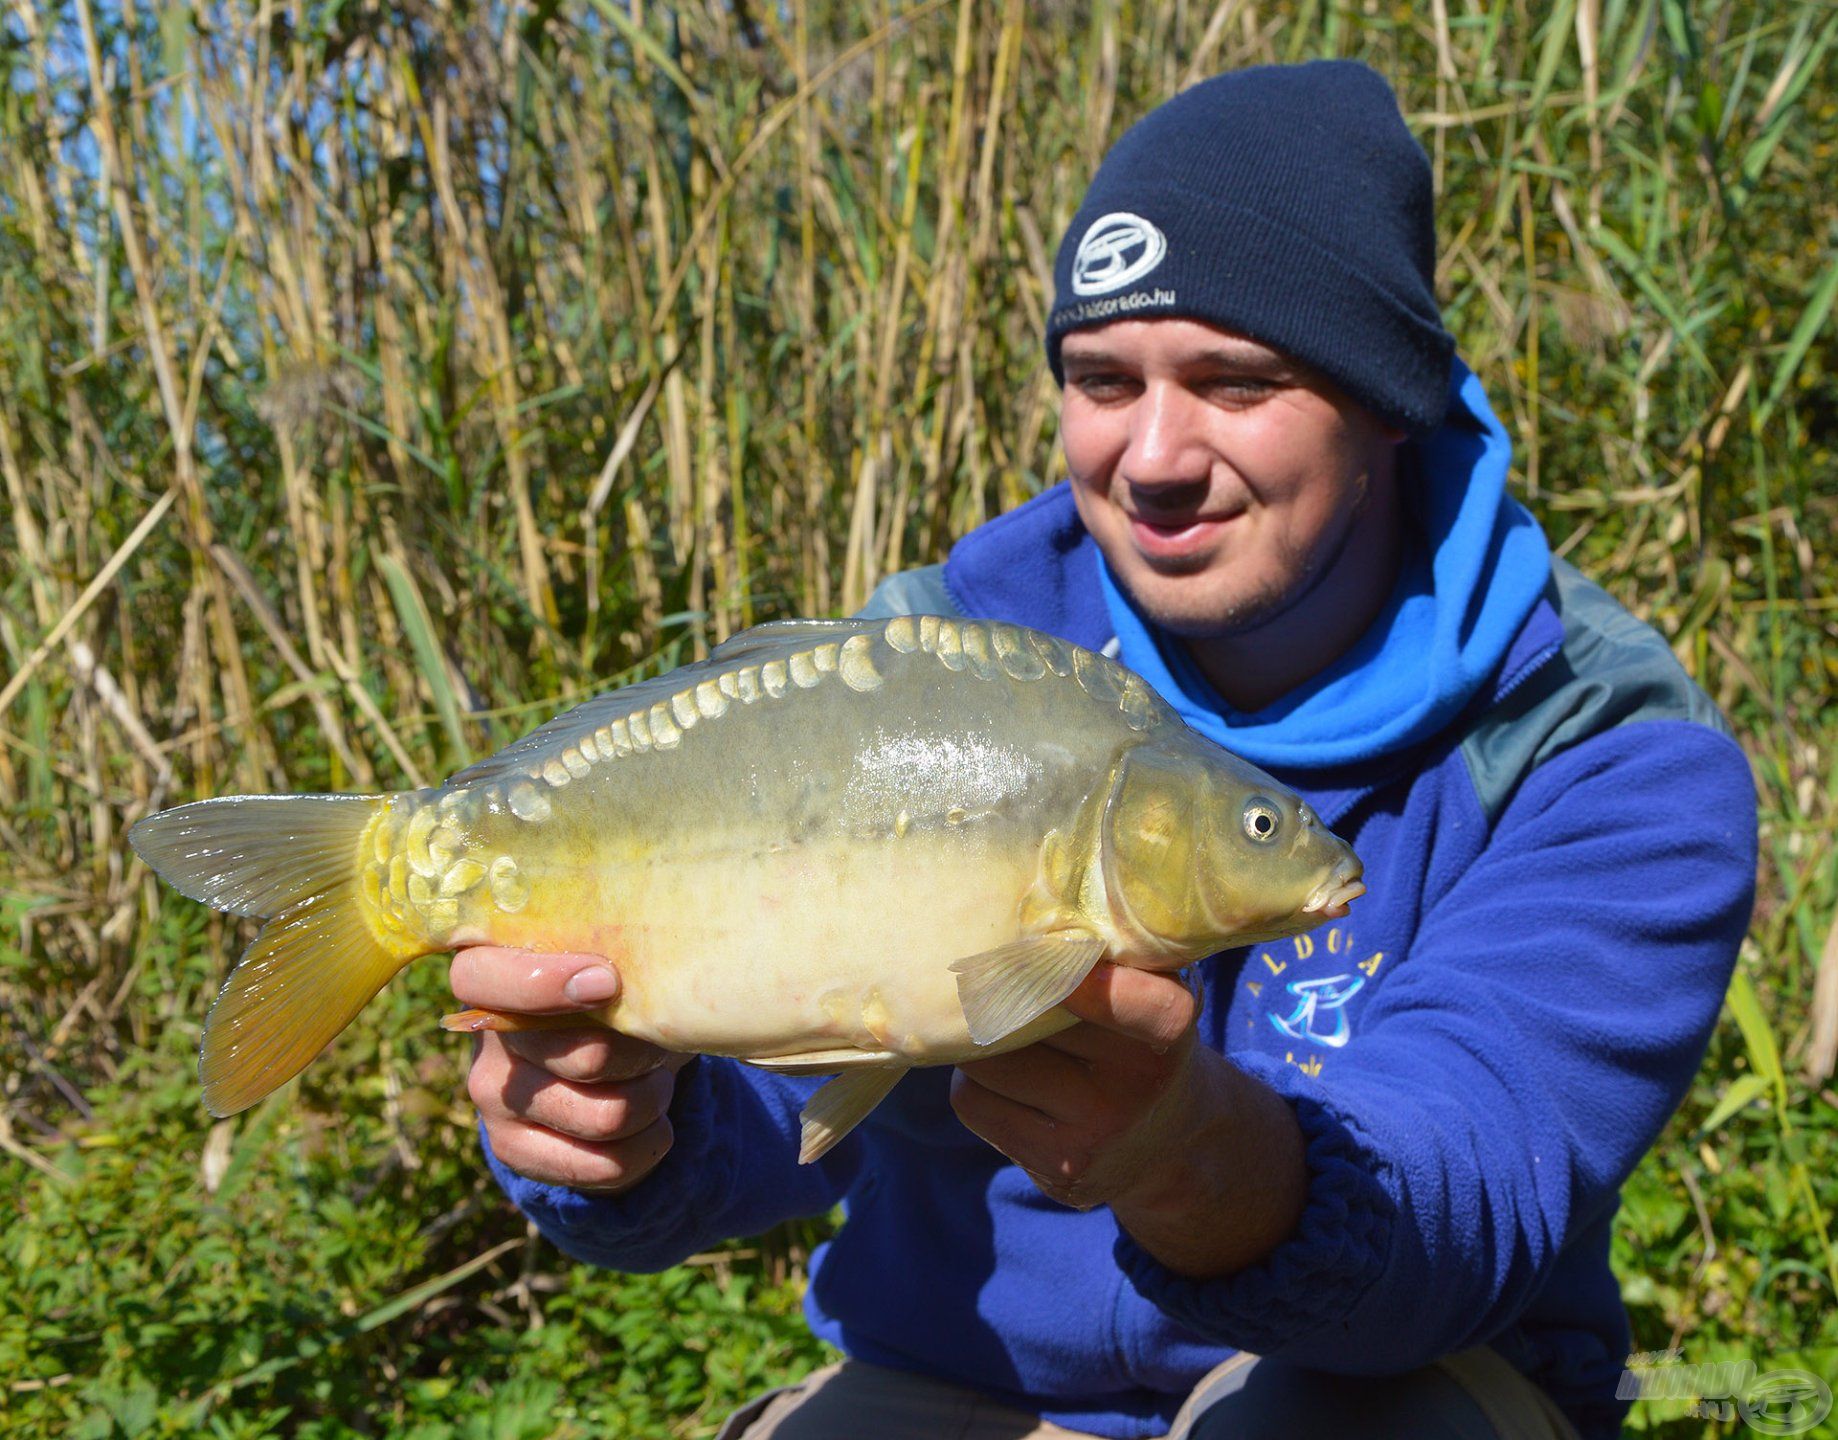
point(1204, 852)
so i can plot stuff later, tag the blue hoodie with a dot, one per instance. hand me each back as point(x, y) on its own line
point(1559, 841)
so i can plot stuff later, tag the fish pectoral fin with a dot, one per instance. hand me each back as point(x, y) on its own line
point(838, 1107)
point(1003, 989)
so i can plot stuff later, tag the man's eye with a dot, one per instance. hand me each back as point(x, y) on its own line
point(1104, 387)
point(1238, 387)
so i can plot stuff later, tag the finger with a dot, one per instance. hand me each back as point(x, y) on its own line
point(1107, 1052)
point(587, 1056)
point(596, 1113)
point(528, 982)
point(1096, 1046)
point(501, 1083)
point(553, 1159)
point(1156, 1009)
point(1033, 1140)
point(1052, 1082)
point(993, 1115)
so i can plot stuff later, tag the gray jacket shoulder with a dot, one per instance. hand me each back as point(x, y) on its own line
point(1612, 670)
point(910, 592)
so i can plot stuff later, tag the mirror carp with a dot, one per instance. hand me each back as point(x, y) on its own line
point(844, 847)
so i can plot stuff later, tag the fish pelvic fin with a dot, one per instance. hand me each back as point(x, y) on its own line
point(841, 1105)
point(292, 860)
point(475, 1020)
point(1007, 987)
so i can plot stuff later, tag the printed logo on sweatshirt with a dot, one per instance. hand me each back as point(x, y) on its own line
point(1118, 249)
point(1320, 1013)
point(1316, 1012)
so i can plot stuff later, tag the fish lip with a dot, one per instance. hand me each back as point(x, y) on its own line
point(1338, 891)
point(1334, 906)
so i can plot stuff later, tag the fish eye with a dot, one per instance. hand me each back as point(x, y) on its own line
point(1261, 820)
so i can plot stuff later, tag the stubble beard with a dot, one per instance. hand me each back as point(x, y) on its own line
point(1298, 576)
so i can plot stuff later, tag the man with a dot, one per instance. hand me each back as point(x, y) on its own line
point(1365, 1185)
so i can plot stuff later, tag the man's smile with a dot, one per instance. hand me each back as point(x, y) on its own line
point(1175, 522)
point(1172, 538)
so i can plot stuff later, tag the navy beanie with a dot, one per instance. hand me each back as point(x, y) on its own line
point(1288, 203)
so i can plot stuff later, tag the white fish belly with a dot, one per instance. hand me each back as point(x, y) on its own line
point(822, 946)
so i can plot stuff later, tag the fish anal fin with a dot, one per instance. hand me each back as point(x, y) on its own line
point(838, 1107)
point(1007, 987)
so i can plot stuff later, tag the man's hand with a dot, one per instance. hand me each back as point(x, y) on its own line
point(1092, 1113)
point(1200, 1163)
point(584, 1108)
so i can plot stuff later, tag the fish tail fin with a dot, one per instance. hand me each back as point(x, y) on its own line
point(292, 860)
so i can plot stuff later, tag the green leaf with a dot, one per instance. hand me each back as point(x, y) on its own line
point(412, 610)
point(642, 39)
point(1657, 295)
point(1764, 1054)
point(1556, 40)
point(1742, 1091)
point(1782, 119)
point(1812, 320)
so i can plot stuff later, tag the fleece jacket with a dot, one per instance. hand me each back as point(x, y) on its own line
point(1478, 1054)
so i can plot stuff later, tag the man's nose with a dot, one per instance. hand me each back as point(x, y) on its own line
point(1166, 445)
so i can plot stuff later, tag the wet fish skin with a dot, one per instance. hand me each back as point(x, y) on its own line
point(850, 846)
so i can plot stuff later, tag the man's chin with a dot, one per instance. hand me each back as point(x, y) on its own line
point(1185, 605)
point(1176, 566)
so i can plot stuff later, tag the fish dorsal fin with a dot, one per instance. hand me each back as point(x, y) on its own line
point(765, 662)
point(781, 637)
point(547, 742)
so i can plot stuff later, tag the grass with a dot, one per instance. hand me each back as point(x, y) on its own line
point(376, 379)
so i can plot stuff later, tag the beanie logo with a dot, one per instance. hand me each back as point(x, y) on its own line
point(1118, 249)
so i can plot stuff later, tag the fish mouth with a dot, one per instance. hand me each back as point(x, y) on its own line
point(1339, 890)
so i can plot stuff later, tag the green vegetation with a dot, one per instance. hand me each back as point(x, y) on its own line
point(376, 379)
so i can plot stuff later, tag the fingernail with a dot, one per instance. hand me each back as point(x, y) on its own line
point(592, 985)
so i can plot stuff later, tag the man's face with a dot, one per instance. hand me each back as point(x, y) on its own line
point(1222, 481)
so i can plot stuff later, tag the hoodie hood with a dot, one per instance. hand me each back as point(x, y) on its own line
point(1475, 565)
